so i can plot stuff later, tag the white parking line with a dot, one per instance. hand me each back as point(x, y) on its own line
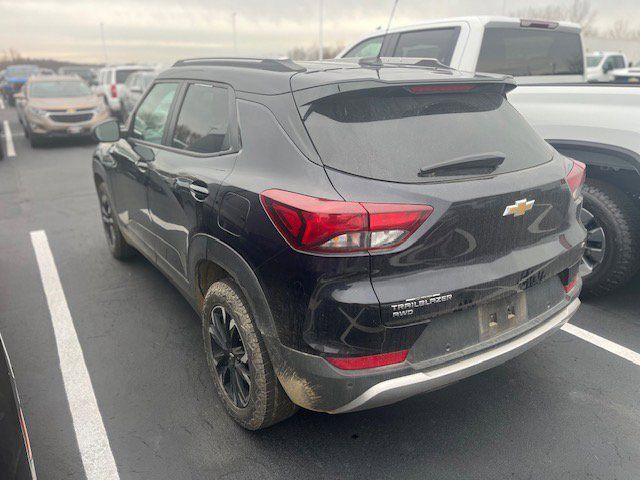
point(11, 150)
point(95, 451)
point(603, 343)
point(1, 104)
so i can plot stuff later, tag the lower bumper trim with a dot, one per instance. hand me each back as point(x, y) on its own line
point(395, 389)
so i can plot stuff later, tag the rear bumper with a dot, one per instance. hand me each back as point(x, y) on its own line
point(396, 389)
point(311, 382)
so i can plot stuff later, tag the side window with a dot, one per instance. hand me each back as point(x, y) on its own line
point(609, 64)
point(203, 122)
point(435, 43)
point(151, 118)
point(619, 62)
point(367, 48)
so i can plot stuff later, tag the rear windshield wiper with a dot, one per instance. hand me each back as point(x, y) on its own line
point(480, 164)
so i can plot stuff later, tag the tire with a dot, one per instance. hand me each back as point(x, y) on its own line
point(118, 246)
point(262, 401)
point(616, 219)
point(35, 141)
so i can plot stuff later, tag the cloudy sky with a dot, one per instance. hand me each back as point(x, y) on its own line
point(163, 30)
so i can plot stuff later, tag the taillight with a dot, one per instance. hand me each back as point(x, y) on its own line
point(369, 361)
point(114, 91)
point(319, 225)
point(25, 434)
point(571, 284)
point(575, 178)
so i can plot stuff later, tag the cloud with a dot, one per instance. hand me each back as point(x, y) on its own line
point(163, 30)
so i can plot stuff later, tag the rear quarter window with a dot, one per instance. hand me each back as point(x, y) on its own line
point(391, 134)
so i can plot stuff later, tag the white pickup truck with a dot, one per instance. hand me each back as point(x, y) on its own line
point(596, 124)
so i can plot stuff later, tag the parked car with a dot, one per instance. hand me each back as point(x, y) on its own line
point(627, 75)
point(57, 106)
point(16, 460)
point(15, 76)
point(88, 74)
point(563, 113)
point(600, 65)
point(343, 247)
point(111, 80)
point(134, 87)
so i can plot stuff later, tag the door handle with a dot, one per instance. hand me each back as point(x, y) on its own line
point(197, 188)
point(142, 166)
point(199, 192)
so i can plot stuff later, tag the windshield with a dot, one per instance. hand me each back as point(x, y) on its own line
point(146, 80)
point(391, 134)
point(59, 89)
point(21, 72)
point(593, 60)
point(85, 73)
point(525, 52)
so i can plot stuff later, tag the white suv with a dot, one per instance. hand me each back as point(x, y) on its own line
point(111, 83)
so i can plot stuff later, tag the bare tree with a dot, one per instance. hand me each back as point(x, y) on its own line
point(311, 53)
point(621, 29)
point(579, 11)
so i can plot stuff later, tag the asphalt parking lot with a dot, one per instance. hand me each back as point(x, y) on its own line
point(567, 409)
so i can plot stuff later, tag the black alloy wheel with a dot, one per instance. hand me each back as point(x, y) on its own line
point(230, 357)
point(108, 221)
point(596, 243)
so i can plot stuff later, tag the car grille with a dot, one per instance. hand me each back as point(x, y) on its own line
point(75, 118)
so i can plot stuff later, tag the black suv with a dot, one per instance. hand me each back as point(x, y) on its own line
point(351, 234)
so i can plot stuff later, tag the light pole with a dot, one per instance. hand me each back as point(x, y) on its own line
point(235, 38)
point(104, 45)
point(320, 39)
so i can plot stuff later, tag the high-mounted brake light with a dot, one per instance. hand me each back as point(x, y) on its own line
point(369, 361)
point(114, 91)
point(575, 178)
point(311, 224)
point(417, 89)
point(539, 24)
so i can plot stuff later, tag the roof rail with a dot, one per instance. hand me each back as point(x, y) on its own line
point(272, 64)
point(403, 61)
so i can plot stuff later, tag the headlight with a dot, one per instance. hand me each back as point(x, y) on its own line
point(36, 111)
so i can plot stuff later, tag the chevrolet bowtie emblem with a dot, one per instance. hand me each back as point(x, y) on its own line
point(71, 110)
point(519, 208)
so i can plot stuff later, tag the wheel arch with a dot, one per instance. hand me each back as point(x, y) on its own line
point(609, 163)
point(211, 260)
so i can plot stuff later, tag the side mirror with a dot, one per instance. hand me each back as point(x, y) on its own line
point(108, 131)
point(147, 155)
point(607, 68)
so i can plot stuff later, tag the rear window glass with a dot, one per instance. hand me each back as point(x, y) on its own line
point(436, 43)
point(122, 75)
point(391, 134)
point(522, 52)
